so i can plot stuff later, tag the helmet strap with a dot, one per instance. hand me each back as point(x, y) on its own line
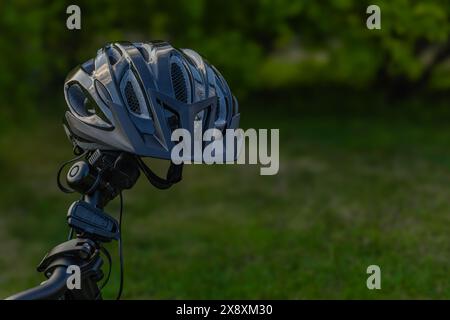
point(174, 175)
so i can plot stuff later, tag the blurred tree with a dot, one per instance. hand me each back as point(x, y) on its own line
point(257, 45)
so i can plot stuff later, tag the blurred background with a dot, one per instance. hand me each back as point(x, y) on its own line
point(364, 141)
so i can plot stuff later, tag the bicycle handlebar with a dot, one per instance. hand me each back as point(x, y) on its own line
point(53, 288)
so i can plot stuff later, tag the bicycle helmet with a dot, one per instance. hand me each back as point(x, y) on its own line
point(131, 97)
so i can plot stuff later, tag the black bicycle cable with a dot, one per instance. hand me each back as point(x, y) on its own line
point(119, 294)
point(108, 257)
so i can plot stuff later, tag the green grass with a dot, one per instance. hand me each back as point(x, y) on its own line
point(351, 192)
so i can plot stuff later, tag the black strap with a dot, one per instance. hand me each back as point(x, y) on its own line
point(174, 175)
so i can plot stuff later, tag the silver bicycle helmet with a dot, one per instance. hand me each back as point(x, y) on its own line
point(131, 97)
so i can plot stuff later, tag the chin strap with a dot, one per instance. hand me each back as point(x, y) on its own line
point(174, 175)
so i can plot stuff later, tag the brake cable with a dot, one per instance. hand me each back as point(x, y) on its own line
point(119, 294)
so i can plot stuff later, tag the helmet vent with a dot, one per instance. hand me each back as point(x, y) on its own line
point(132, 101)
point(133, 95)
point(113, 54)
point(144, 53)
point(178, 82)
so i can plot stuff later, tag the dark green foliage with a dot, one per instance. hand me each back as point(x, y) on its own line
point(258, 45)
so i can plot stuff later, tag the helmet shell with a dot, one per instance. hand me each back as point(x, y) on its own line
point(131, 97)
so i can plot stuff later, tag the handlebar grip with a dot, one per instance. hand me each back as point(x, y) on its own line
point(51, 289)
